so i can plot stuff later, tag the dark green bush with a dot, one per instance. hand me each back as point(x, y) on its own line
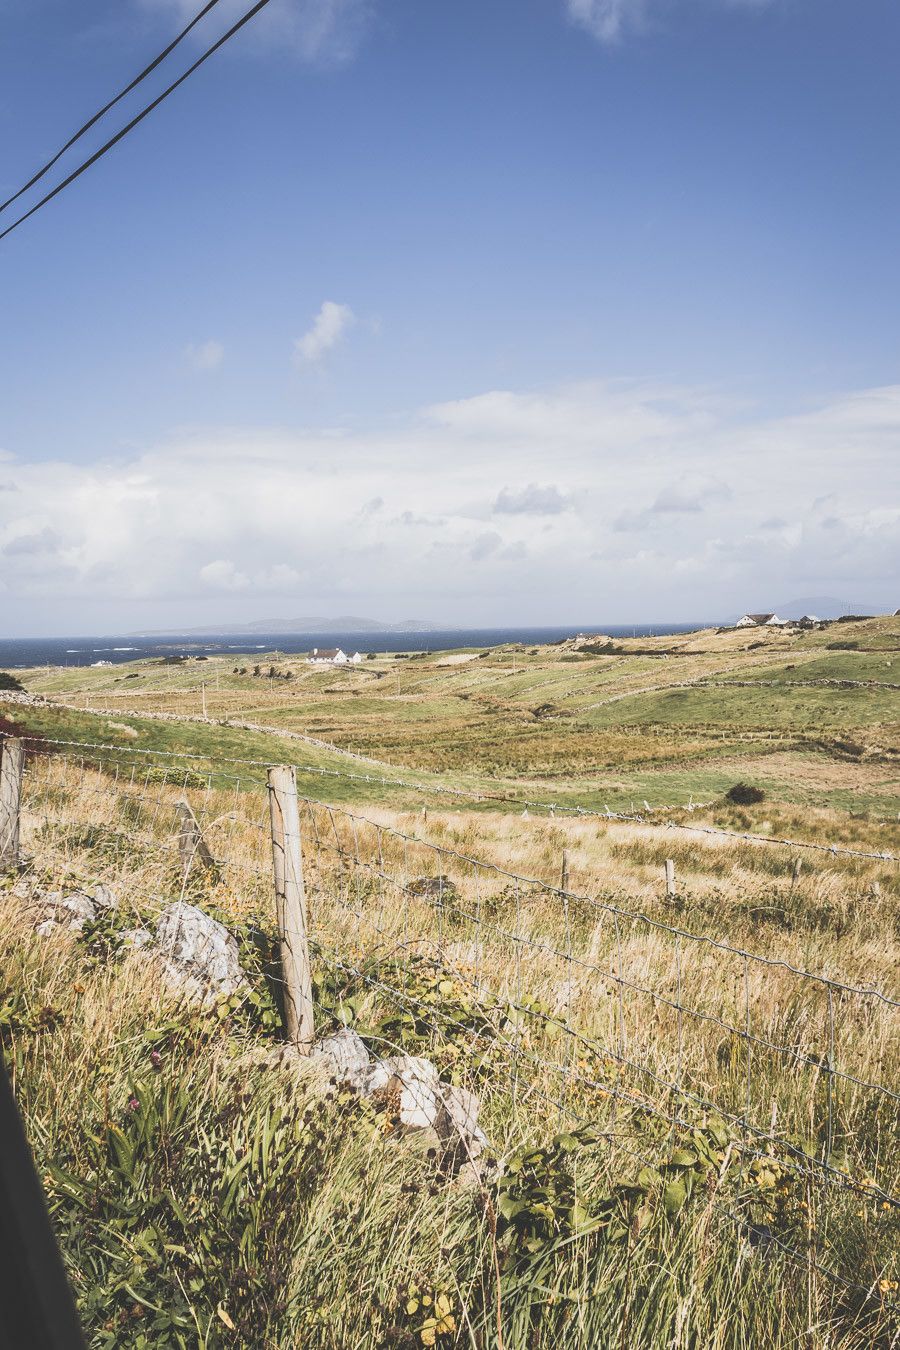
point(745, 794)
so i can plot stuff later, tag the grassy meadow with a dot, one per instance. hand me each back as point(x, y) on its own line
point(693, 1142)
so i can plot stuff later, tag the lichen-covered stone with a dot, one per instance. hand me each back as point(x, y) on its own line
point(136, 938)
point(345, 1056)
point(198, 951)
point(52, 910)
point(457, 1122)
point(409, 1087)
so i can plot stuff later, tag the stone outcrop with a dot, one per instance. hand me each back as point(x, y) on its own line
point(199, 954)
point(409, 1090)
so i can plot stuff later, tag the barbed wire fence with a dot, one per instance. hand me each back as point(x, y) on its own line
point(475, 795)
point(561, 1008)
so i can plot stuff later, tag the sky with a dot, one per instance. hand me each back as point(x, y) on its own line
point(488, 313)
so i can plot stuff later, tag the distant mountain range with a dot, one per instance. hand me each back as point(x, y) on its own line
point(344, 623)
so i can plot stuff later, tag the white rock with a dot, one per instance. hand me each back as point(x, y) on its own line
point(56, 909)
point(414, 1084)
point(457, 1122)
point(198, 950)
point(105, 898)
point(136, 937)
point(346, 1057)
point(408, 1068)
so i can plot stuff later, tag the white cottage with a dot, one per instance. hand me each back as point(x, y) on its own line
point(327, 656)
point(760, 621)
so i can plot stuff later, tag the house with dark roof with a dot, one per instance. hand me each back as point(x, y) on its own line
point(327, 656)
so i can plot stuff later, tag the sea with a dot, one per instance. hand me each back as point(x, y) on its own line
point(88, 651)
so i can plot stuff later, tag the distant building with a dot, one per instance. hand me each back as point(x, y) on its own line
point(328, 656)
point(756, 620)
point(354, 659)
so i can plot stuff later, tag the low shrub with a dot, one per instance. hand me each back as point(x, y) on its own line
point(745, 794)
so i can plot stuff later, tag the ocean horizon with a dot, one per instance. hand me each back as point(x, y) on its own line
point(17, 653)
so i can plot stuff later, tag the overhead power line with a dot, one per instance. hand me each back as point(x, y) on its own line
point(145, 112)
point(107, 107)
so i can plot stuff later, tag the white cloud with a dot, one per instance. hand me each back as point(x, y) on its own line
point(605, 19)
point(328, 327)
point(485, 544)
point(224, 576)
point(320, 32)
point(204, 523)
point(608, 20)
point(532, 500)
point(205, 355)
point(691, 494)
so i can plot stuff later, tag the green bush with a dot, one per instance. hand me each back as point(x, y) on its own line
point(745, 794)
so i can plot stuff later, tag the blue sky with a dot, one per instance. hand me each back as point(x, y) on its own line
point(520, 310)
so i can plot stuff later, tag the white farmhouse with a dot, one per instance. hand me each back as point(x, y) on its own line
point(760, 621)
point(327, 656)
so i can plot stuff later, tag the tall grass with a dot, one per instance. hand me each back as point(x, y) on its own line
point(206, 1193)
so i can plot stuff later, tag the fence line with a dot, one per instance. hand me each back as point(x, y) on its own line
point(477, 795)
point(501, 937)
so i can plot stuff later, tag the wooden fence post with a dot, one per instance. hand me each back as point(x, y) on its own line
point(670, 878)
point(564, 871)
point(191, 843)
point(12, 758)
point(290, 903)
point(795, 874)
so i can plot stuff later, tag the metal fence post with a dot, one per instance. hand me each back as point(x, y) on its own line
point(290, 902)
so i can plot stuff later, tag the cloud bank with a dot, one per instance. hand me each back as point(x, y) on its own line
point(665, 502)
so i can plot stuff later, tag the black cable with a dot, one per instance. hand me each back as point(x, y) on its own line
point(37, 1306)
point(98, 154)
point(148, 70)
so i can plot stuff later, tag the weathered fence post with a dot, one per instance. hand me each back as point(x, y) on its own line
point(795, 874)
point(564, 871)
point(290, 902)
point(191, 843)
point(12, 758)
point(670, 878)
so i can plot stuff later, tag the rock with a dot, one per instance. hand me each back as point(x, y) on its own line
point(56, 909)
point(409, 1088)
point(470, 1174)
point(346, 1057)
point(105, 898)
point(136, 938)
point(198, 951)
point(457, 1121)
point(439, 888)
